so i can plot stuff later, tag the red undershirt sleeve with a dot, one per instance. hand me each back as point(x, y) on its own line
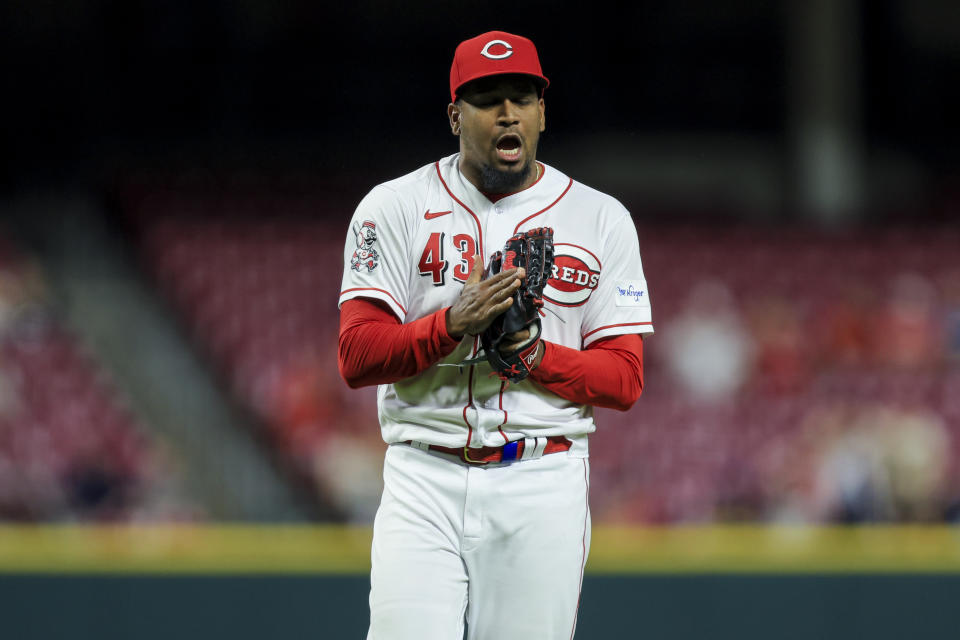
point(609, 373)
point(376, 348)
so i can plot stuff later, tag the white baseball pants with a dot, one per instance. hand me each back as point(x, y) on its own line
point(499, 547)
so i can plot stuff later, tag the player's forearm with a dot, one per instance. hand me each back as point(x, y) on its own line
point(608, 374)
point(375, 348)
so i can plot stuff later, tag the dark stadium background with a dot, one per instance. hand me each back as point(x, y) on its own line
point(97, 89)
point(175, 184)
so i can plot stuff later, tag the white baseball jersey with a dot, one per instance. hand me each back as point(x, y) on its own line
point(411, 244)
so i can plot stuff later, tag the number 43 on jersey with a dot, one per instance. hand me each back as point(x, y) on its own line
point(433, 265)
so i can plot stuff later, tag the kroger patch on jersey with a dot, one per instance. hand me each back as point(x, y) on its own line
point(631, 293)
point(576, 272)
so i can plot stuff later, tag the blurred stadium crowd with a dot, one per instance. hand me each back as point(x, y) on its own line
point(791, 168)
point(70, 448)
point(796, 375)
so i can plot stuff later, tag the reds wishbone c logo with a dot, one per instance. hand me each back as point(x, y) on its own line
point(485, 52)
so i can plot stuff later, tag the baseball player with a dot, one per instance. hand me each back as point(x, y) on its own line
point(484, 523)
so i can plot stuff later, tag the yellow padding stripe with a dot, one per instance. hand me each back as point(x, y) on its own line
point(180, 549)
point(336, 550)
point(776, 549)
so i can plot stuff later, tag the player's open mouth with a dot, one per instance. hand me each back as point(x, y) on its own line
point(508, 147)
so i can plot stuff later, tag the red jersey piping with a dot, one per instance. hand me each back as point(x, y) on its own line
point(583, 546)
point(460, 202)
point(467, 406)
point(569, 184)
point(470, 392)
point(476, 220)
point(500, 428)
point(611, 326)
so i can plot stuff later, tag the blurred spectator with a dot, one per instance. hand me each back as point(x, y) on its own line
point(916, 456)
point(95, 490)
point(867, 463)
point(708, 349)
point(770, 394)
point(303, 405)
point(784, 347)
point(906, 334)
point(335, 443)
point(350, 469)
point(851, 484)
point(845, 337)
point(68, 450)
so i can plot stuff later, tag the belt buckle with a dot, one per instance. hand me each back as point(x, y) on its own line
point(466, 458)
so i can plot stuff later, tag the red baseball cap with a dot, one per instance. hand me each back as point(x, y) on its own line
point(494, 53)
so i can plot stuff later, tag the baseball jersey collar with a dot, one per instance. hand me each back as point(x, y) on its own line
point(550, 180)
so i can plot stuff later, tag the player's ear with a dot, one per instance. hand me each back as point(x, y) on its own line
point(543, 116)
point(453, 114)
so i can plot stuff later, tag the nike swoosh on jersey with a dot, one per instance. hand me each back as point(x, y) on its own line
point(430, 215)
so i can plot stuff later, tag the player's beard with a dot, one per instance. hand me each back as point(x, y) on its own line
point(497, 181)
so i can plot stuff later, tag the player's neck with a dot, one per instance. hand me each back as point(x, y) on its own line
point(493, 197)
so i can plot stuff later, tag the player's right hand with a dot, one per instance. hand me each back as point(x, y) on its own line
point(481, 300)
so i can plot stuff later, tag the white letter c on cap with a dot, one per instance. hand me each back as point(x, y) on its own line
point(485, 52)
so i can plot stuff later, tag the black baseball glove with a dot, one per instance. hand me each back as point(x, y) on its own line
point(532, 250)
